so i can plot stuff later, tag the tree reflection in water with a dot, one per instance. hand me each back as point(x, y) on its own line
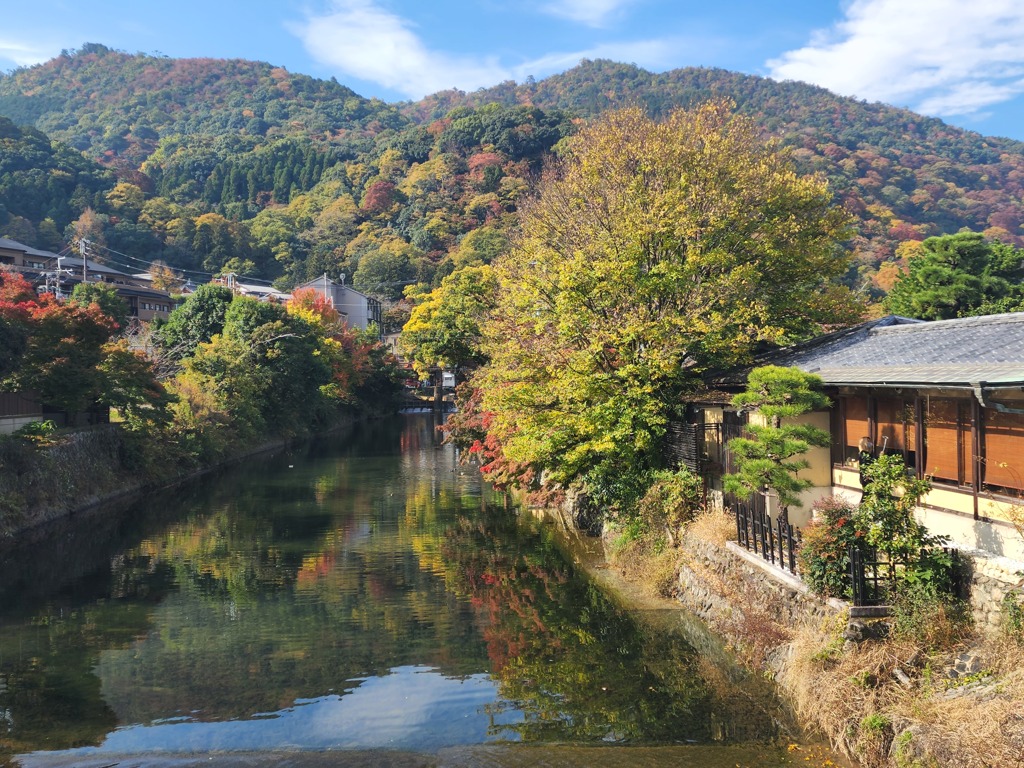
point(310, 580)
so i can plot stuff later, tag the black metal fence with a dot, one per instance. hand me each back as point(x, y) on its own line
point(777, 542)
point(873, 576)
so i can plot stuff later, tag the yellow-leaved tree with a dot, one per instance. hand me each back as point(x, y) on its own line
point(655, 252)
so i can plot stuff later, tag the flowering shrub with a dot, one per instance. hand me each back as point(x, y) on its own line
point(825, 550)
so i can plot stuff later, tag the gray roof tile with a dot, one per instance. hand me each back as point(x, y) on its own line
point(897, 350)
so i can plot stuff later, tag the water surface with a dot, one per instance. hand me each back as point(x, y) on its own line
point(359, 594)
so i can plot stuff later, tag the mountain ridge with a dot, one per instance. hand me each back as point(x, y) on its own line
point(245, 140)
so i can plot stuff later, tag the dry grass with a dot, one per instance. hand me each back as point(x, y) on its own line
point(855, 698)
point(713, 526)
point(648, 563)
point(755, 635)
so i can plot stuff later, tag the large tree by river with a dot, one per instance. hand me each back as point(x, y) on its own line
point(653, 253)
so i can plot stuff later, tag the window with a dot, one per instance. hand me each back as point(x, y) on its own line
point(947, 441)
point(895, 428)
point(855, 426)
point(1004, 450)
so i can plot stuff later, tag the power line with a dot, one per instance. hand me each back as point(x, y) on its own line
point(151, 264)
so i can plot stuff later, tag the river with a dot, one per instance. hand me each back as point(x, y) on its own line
point(360, 600)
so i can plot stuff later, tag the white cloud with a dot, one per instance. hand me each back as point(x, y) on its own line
point(593, 13)
point(366, 41)
point(23, 54)
point(373, 44)
point(941, 57)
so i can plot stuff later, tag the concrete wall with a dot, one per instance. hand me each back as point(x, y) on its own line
point(9, 424)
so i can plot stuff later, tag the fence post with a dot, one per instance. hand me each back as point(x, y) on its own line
point(856, 574)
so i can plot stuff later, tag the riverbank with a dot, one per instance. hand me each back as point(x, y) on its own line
point(74, 472)
point(881, 702)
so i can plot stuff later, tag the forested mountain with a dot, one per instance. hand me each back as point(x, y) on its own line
point(905, 176)
point(215, 165)
point(44, 185)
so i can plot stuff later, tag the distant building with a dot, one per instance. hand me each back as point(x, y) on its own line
point(357, 309)
point(54, 273)
point(22, 258)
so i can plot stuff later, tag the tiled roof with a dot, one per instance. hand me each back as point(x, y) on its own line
point(14, 245)
point(897, 350)
point(73, 262)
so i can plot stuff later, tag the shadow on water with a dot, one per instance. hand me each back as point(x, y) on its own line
point(357, 593)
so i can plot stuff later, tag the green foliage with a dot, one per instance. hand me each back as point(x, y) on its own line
point(444, 328)
point(40, 181)
point(36, 431)
point(130, 386)
point(929, 616)
point(105, 297)
point(237, 139)
point(196, 321)
point(959, 275)
point(825, 547)
point(905, 176)
point(634, 273)
point(672, 500)
point(875, 722)
point(767, 461)
point(887, 509)
point(1012, 609)
point(13, 342)
point(884, 520)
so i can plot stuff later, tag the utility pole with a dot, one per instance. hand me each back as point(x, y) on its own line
point(83, 249)
point(57, 277)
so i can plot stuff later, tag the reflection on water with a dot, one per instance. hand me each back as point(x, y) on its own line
point(361, 592)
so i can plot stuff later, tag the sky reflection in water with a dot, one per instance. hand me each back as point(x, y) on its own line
point(410, 708)
point(363, 592)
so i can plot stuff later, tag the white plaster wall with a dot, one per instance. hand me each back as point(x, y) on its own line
point(965, 532)
point(10, 424)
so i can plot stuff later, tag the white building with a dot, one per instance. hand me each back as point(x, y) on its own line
point(357, 309)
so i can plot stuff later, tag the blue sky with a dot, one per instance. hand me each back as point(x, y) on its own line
point(961, 60)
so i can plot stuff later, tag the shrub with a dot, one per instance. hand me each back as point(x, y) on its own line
point(674, 499)
point(925, 614)
point(1013, 616)
point(37, 431)
point(825, 549)
point(887, 509)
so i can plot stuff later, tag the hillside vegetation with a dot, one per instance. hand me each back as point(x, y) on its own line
point(214, 165)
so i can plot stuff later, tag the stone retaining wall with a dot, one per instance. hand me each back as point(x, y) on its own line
point(720, 583)
point(724, 585)
point(991, 578)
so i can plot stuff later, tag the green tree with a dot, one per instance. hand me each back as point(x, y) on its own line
point(105, 297)
point(891, 495)
point(656, 252)
point(768, 462)
point(283, 349)
point(196, 321)
point(444, 328)
point(130, 386)
point(957, 276)
point(385, 271)
point(481, 246)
